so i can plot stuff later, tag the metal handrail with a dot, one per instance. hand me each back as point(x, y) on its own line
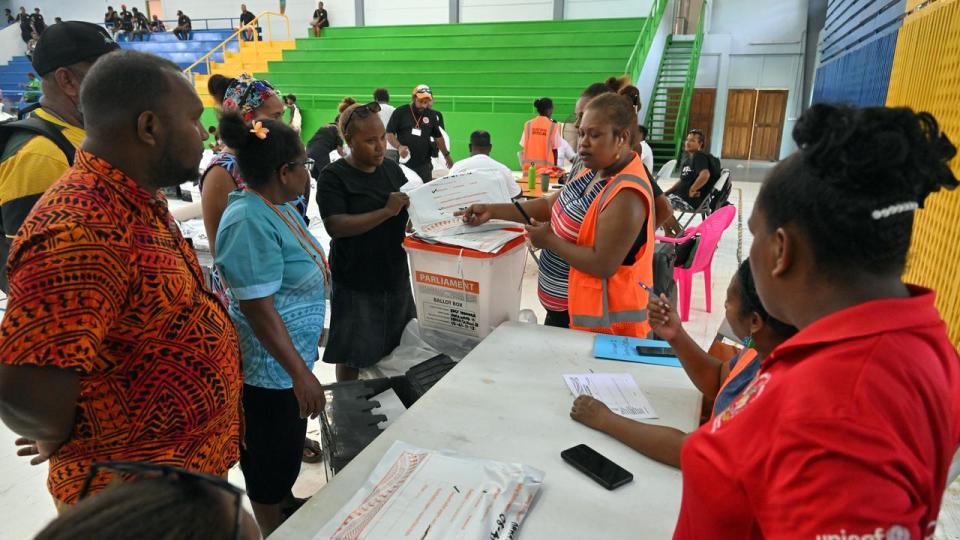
point(252, 26)
point(680, 126)
point(640, 49)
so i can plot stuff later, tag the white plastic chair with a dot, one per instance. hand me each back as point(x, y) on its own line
point(666, 170)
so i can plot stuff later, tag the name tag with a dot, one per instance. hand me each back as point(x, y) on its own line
point(415, 132)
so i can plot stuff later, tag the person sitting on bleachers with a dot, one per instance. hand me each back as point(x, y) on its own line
point(184, 26)
point(141, 26)
point(246, 17)
point(33, 88)
point(111, 20)
point(480, 147)
point(157, 25)
point(126, 21)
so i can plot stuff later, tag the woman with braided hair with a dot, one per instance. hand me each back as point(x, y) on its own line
point(850, 425)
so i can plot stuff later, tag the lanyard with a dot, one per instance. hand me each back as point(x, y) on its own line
point(415, 119)
point(302, 235)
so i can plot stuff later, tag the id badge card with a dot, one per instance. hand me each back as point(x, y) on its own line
point(415, 132)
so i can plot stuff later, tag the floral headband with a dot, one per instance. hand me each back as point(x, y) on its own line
point(246, 94)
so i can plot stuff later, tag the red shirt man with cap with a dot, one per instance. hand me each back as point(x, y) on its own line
point(412, 130)
point(30, 163)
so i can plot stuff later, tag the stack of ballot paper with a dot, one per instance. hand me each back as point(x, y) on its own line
point(433, 207)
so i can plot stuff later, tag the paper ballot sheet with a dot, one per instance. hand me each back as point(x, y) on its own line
point(417, 493)
point(433, 206)
point(616, 390)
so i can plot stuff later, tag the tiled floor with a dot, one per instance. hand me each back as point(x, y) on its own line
point(26, 506)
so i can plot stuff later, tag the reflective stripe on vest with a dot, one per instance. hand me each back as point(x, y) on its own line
point(607, 318)
point(539, 152)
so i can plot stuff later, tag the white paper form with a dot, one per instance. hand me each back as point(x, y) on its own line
point(415, 493)
point(433, 205)
point(616, 390)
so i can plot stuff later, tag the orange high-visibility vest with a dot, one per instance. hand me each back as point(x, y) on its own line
point(615, 305)
point(538, 134)
point(744, 361)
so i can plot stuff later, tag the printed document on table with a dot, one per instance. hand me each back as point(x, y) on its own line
point(433, 205)
point(417, 493)
point(616, 390)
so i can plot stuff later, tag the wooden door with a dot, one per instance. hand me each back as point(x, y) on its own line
point(738, 125)
point(768, 125)
point(701, 113)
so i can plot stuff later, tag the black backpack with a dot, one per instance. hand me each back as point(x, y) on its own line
point(28, 128)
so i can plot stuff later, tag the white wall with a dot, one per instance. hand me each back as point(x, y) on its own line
point(76, 10)
point(11, 44)
point(755, 44)
point(604, 9)
point(505, 10)
point(342, 12)
point(387, 12)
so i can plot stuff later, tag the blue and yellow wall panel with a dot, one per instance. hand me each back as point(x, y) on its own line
point(926, 77)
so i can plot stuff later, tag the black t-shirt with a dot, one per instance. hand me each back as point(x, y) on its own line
point(183, 20)
point(111, 18)
point(126, 20)
point(142, 22)
point(325, 140)
point(321, 15)
point(38, 23)
point(690, 169)
point(404, 120)
point(246, 17)
point(375, 260)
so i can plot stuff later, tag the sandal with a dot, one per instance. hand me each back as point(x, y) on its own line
point(312, 452)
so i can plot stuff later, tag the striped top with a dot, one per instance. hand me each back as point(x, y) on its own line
point(566, 216)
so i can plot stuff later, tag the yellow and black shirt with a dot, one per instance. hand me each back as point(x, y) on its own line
point(29, 165)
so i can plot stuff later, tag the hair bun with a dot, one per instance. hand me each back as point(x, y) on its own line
point(217, 86)
point(346, 103)
point(891, 150)
point(234, 132)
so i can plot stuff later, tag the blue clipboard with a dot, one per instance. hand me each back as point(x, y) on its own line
point(624, 348)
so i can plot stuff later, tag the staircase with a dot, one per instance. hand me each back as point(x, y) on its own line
point(184, 53)
point(12, 76)
point(669, 106)
point(252, 57)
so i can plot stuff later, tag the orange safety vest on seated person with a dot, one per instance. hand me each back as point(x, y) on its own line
point(537, 136)
point(615, 305)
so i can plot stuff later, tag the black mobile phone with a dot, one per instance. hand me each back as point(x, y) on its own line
point(593, 464)
point(655, 351)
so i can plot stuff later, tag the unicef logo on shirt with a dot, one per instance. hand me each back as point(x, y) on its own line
point(895, 532)
point(426, 119)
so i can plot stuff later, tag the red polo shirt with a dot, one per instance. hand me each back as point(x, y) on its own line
point(847, 432)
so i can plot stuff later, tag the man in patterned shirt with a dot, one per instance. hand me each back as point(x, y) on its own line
point(111, 347)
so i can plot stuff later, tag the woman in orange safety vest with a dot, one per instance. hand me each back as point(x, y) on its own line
point(597, 233)
point(541, 137)
point(719, 381)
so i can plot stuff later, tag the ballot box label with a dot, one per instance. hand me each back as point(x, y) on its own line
point(448, 303)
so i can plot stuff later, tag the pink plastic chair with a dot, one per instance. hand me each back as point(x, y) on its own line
point(710, 232)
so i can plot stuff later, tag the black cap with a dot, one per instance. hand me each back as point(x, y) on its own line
point(68, 43)
point(480, 138)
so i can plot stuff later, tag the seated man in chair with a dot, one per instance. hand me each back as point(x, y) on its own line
point(697, 179)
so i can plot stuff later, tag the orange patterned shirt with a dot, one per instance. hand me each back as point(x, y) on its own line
point(103, 283)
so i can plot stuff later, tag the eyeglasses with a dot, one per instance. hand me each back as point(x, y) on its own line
point(136, 471)
point(306, 163)
point(362, 111)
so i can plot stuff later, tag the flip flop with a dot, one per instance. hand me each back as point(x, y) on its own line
point(312, 452)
